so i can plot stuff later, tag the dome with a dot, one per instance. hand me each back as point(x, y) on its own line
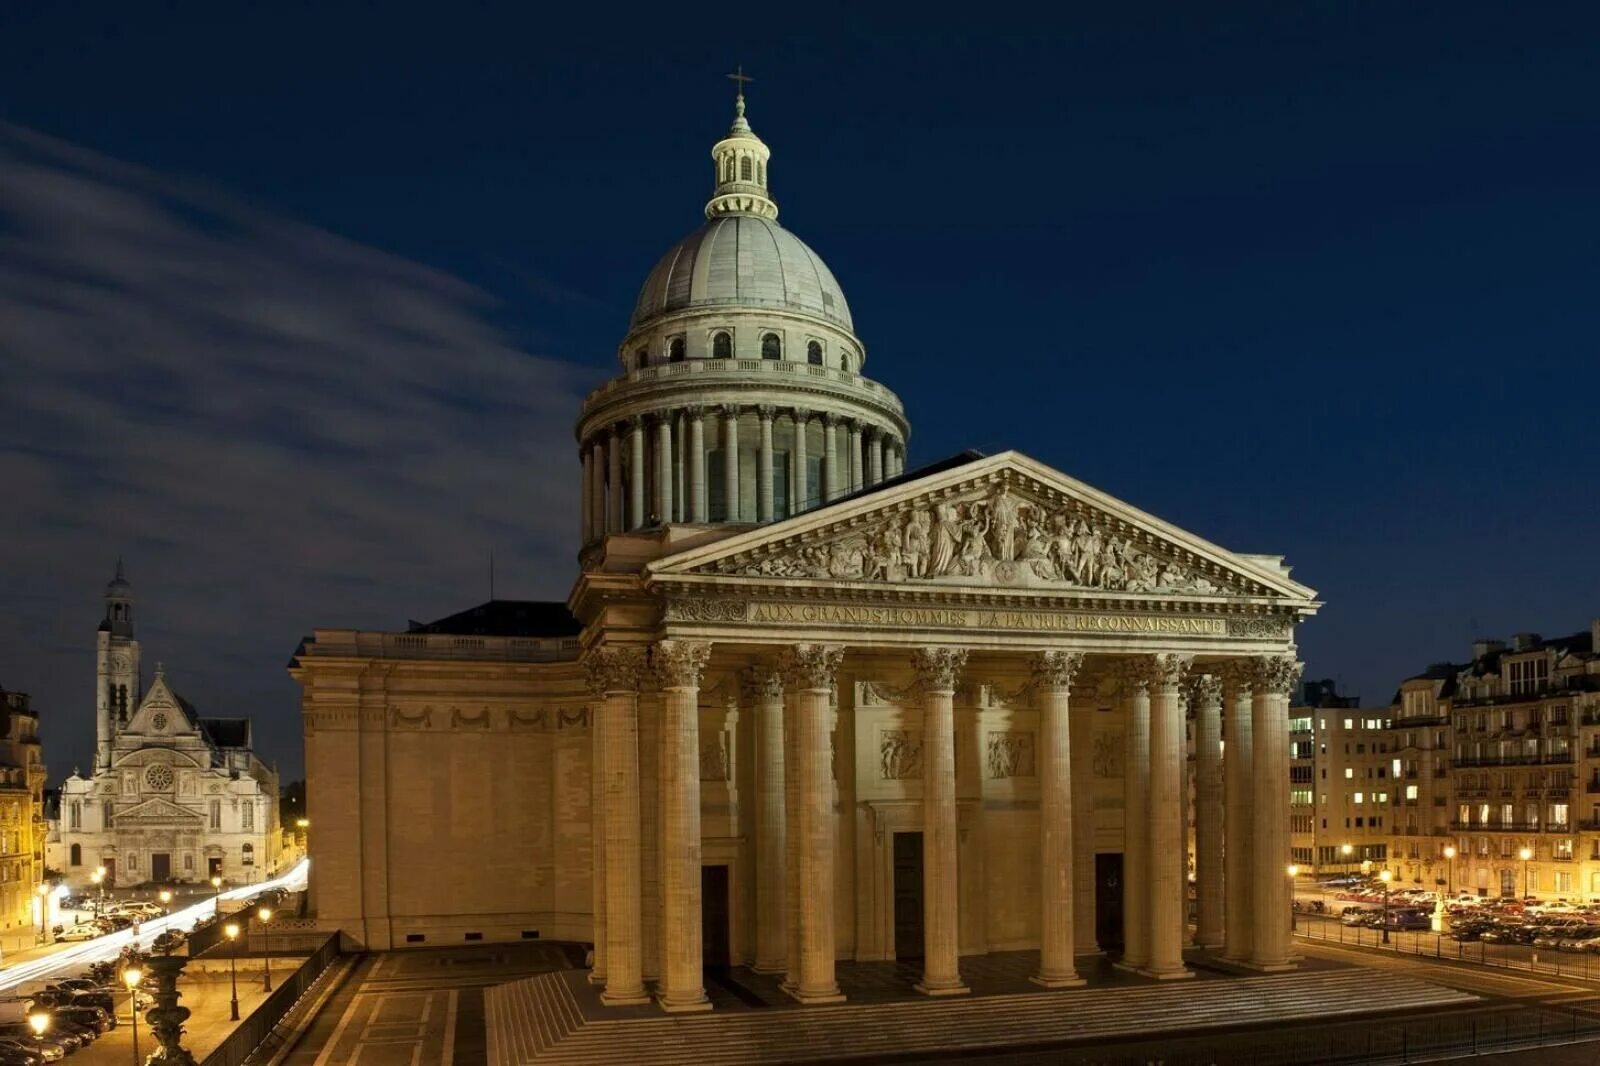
point(742, 260)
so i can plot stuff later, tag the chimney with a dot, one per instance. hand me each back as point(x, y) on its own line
point(1523, 641)
point(1485, 646)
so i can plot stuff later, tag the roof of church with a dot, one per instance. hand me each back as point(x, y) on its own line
point(227, 732)
point(506, 618)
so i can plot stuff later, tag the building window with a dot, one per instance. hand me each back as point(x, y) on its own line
point(108, 808)
point(247, 855)
point(722, 346)
point(1411, 792)
point(744, 169)
point(133, 860)
point(675, 350)
point(216, 815)
point(188, 861)
point(641, 358)
point(844, 363)
point(771, 346)
point(75, 816)
point(249, 814)
point(814, 353)
point(76, 858)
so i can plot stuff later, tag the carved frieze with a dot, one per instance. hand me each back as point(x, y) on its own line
point(707, 610)
point(899, 754)
point(1265, 628)
point(1106, 757)
point(401, 719)
point(460, 719)
point(1011, 754)
point(996, 536)
point(714, 755)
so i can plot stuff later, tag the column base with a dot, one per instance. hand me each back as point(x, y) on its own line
point(957, 989)
point(1088, 953)
point(814, 998)
point(596, 978)
point(687, 1003)
point(1129, 967)
point(769, 968)
point(1166, 975)
point(1058, 982)
point(1269, 967)
point(609, 998)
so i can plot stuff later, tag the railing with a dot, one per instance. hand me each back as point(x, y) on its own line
point(1555, 757)
point(258, 1027)
point(1511, 827)
point(743, 368)
point(370, 645)
point(1521, 957)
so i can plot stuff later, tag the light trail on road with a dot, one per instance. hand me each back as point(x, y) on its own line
point(81, 954)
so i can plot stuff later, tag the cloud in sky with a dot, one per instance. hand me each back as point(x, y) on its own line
point(278, 428)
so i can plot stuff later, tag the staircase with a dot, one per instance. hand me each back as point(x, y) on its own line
point(539, 1020)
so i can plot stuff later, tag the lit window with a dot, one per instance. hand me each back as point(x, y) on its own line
point(1358, 797)
point(1349, 773)
point(1411, 792)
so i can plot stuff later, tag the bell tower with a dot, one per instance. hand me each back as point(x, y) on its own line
point(117, 688)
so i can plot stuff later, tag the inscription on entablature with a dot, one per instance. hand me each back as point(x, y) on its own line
point(986, 618)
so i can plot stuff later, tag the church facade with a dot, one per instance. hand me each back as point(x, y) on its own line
point(804, 704)
point(174, 798)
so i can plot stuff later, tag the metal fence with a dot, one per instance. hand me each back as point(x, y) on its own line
point(255, 1030)
point(1548, 961)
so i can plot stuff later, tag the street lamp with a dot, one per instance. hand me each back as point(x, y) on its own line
point(44, 907)
point(216, 897)
point(231, 930)
point(99, 879)
point(1525, 854)
point(131, 977)
point(1450, 861)
point(1346, 851)
point(166, 901)
point(1294, 872)
point(1385, 876)
point(265, 914)
point(39, 1021)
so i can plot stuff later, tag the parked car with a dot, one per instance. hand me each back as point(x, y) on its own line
point(20, 1052)
point(168, 942)
point(53, 1050)
point(1406, 919)
point(97, 1018)
point(86, 931)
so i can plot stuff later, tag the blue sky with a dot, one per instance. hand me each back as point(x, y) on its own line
point(297, 305)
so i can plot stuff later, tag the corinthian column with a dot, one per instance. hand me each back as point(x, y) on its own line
point(853, 440)
point(1052, 683)
point(830, 456)
point(1135, 814)
point(800, 483)
point(764, 500)
point(614, 673)
point(597, 838)
point(697, 463)
point(679, 664)
point(730, 461)
point(586, 526)
point(874, 455)
point(763, 688)
point(664, 468)
point(809, 669)
point(1275, 677)
point(599, 496)
point(614, 486)
point(1205, 696)
point(1238, 803)
point(1165, 865)
point(1084, 934)
point(937, 669)
point(636, 515)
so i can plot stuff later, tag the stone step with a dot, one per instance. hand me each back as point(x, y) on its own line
point(908, 1026)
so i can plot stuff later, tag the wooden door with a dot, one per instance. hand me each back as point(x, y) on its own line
point(908, 914)
point(161, 867)
point(715, 950)
point(1108, 900)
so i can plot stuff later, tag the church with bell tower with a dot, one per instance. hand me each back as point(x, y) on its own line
point(808, 702)
point(173, 797)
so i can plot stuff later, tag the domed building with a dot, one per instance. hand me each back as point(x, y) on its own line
point(743, 395)
point(807, 707)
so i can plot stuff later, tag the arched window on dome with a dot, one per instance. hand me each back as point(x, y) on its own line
point(641, 358)
point(844, 362)
point(744, 169)
point(771, 346)
point(722, 346)
point(675, 350)
point(814, 353)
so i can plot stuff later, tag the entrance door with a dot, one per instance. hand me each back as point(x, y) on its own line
point(213, 867)
point(908, 896)
point(161, 867)
point(1108, 900)
point(715, 953)
point(111, 872)
point(1508, 883)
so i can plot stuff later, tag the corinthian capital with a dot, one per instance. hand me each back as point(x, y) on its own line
point(1275, 674)
point(1054, 670)
point(1238, 677)
point(679, 663)
point(938, 668)
point(614, 668)
point(761, 682)
point(1142, 672)
point(1204, 690)
point(811, 665)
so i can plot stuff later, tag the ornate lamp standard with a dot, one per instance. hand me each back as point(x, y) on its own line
point(231, 930)
point(131, 977)
point(265, 914)
point(1385, 876)
point(1525, 854)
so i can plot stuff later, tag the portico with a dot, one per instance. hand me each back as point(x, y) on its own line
point(945, 706)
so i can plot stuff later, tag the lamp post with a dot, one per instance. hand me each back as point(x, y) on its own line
point(1294, 872)
point(216, 897)
point(1525, 854)
point(166, 902)
point(99, 879)
point(231, 930)
point(1345, 851)
point(1385, 876)
point(131, 977)
point(39, 1021)
point(44, 907)
point(265, 914)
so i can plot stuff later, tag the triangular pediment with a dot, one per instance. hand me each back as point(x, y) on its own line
point(1003, 522)
point(156, 811)
point(161, 713)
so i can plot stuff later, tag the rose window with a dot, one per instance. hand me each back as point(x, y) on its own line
point(159, 778)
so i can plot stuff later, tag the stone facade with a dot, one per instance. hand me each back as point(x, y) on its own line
point(22, 820)
point(174, 798)
point(1498, 755)
point(933, 713)
point(1340, 787)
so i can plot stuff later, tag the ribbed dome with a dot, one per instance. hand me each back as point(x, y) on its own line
point(742, 261)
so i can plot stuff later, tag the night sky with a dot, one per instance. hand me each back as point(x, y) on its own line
point(297, 306)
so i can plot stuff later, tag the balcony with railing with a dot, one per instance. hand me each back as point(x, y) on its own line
point(1545, 758)
point(1512, 827)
